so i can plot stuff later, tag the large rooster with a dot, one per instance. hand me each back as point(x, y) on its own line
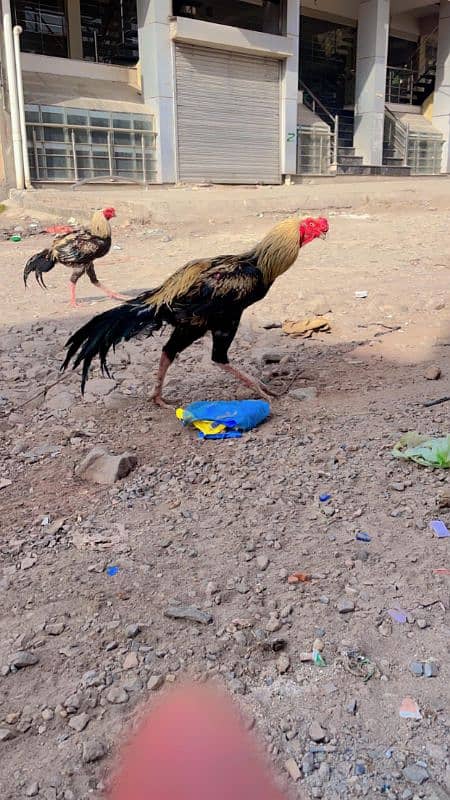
point(205, 295)
point(77, 250)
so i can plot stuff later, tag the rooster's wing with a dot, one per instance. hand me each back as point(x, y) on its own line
point(79, 247)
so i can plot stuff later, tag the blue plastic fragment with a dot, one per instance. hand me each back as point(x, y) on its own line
point(111, 571)
point(324, 497)
point(360, 768)
point(238, 416)
point(363, 537)
point(439, 528)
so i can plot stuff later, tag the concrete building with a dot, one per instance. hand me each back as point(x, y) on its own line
point(230, 91)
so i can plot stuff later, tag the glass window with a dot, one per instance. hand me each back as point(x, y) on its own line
point(255, 15)
point(44, 26)
point(109, 31)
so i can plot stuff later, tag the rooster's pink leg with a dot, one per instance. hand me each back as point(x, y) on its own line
point(252, 383)
point(92, 275)
point(164, 364)
point(73, 301)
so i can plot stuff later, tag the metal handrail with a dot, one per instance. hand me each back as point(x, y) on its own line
point(333, 117)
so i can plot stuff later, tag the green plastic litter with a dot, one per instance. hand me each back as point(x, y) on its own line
point(424, 450)
point(318, 660)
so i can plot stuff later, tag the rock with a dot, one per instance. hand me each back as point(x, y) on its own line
point(189, 613)
point(431, 669)
point(304, 393)
point(133, 630)
point(262, 562)
point(22, 659)
point(415, 774)
point(293, 769)
point(28, 562)
point(55, 628)
point(318, 644)
point(60, 402)
point(6, 734)
point(316, 732)
point(93, 750)
point(32, 789)
point(117, 695)
point(345, 605)
point(433, 373)
point(397, 486)
point(101, 467)
point(131, 661)
point(308, 764)
point(271, 357)
point(416, 668)
point(283, 664)
point(4, 482)
point(352, 707)
point(155, 682)
point(79, 722)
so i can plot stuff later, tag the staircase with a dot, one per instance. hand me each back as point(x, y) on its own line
point(413, 84)
point(424, 85)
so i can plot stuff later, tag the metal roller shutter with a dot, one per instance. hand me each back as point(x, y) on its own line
point(228, 116)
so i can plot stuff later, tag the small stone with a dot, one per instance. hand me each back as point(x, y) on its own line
point(101, 467)
point(293, 769)
point(385, 629)
point(55, 629)
point(155, 682)
point(433, 373)
point(48, 714)
point(283, 664)
point(22, 659)
point(117, 695)
point(345, 605)
point(431, 669)
point(318, 644)
point(93, 751)
point(133, 630)
point(308, 764)
point(415, 774)
point(79, 722)
point(28, 562)
point(316, 732)
point(416, 668)
point(422, 623)
point(304, 393)
point(189, 613)
point(262, 562)
point(211, 589)
point(352, 707)
point(131, 661)
point(397, 486)
point(6, 734)
point(32, 789)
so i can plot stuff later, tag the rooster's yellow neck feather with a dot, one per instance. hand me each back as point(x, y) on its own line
point(279, 249)
point(100, 226)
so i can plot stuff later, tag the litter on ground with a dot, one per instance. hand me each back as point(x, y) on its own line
point(223, 419)
point(306, 327)
point(424, 450)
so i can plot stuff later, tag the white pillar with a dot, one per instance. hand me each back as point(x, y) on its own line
point(158, 85)
point(370, 90)
point(289, 93)
point(441, 105)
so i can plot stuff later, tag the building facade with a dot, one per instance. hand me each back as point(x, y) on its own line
point(230, 91)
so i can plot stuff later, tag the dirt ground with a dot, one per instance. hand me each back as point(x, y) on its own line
point(221, 525)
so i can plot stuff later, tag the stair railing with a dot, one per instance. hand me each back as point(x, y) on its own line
point(313, 103)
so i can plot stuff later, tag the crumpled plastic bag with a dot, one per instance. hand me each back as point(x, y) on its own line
point(224, 419)
point(424, 450)
point(306, 327)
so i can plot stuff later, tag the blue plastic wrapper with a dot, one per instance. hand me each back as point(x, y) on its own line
point(237, 416)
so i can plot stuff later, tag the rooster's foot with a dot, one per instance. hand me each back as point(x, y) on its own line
point(159, 401)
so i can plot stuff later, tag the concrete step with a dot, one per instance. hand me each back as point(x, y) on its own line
point(386, 171)
point(346, 151)
point(351, 161)
point(393, 161)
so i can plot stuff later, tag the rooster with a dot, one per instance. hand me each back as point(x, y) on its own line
point(77, 250)
point(204, 295)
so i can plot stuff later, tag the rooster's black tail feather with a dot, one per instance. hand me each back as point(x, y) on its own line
point(39, 263)
point(107, 330)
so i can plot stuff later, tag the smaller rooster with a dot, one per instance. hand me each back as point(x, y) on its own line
point(77, 250)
